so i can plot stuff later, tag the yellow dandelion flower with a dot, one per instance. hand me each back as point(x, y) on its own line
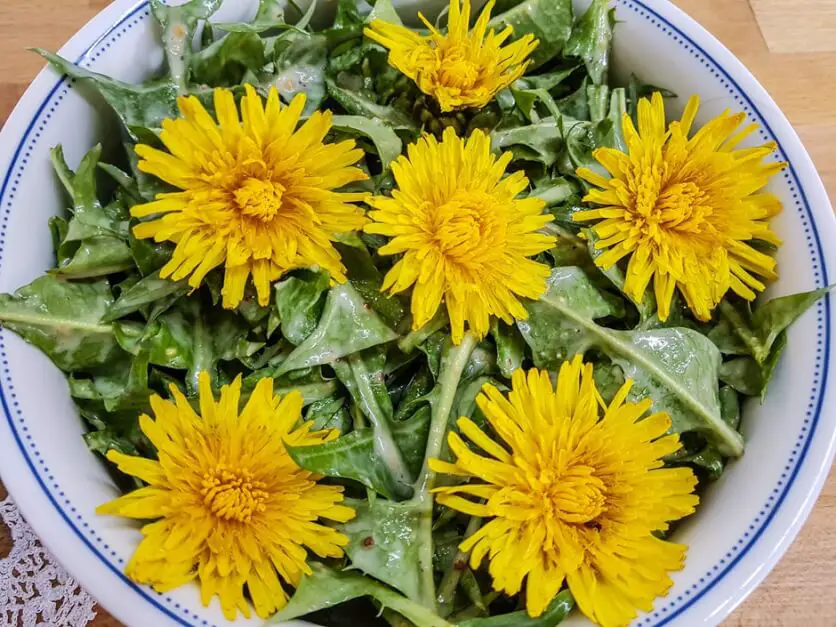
point(685, 210)
point(257, 193)
point(463, 68)
point(464, 234)
point(230, 507)
point(570, 495)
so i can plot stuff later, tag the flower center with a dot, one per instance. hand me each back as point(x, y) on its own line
point(466, 229)
point(576, 496)
point(457, 69)
point(681, 207)
point(233, 494)
point(259, 199)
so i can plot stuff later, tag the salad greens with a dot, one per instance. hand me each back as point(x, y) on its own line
point(120, 332)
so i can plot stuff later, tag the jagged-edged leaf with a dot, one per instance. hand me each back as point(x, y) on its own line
point(347, 325)
point(705, 458)
point(89, 217)
point(225, 62)
point(124, 386)
point(591, 39)
point(58, 231)
point(93, 242)
point(415, 394)
point(383, 542)
point(299, 61)
point(527, 100)
point(354, 456)
point(150, 256)
point(80, 185)
point(368, 280)
point(179, 23)
point(167, 341)
point(63, 319)
point(544, 139)
point(104, 440)
point(357, 104)
point(148, 290)
point(510, 347)
point(117, 430)
point(582, 139)
point(647, 306)
point(145, 105)
point(96, 257)
point(677, 368)
point(270, 15)
point(362, 375)
point(329, 413)
point(554, 337)
point(299, 301)
point(550, 21)
point(749, 377)
point(189, 336)
point(482, 360)
point(556, 191)
point(759, 331)
point(638, 89)
point(547, 80)
point(726, 338)
point(325, 588)
point(385, 140)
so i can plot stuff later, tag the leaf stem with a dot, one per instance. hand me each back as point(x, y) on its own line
point(384, 442)
point(296, 7)
point(473, 611)
point(418, 614)
point(452, 367)
point(555, 229)
point(92, 273)
point(394, 619)
point(554, 194)
point(202, 353)
point(447, 589)
point(49, 321)
point(729, 441)
point(414, 338)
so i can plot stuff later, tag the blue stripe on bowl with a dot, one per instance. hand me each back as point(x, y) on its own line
point(84, 530)
point(711, 578)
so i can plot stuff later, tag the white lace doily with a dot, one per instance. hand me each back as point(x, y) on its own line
point(34, 590)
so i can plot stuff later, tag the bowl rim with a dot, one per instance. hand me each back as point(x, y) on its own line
point(32, 494)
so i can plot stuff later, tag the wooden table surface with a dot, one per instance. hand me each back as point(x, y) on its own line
point(790, 45)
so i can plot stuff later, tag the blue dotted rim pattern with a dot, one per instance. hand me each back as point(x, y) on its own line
point(663, 615)
point(83, 529)
point(676, 606)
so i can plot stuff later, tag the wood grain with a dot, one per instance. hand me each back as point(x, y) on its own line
point(796, 26)
point(789, 46)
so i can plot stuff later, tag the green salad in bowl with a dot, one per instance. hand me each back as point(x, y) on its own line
point(443, 322)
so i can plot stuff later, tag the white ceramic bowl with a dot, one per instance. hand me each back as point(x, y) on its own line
point(748, 518)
